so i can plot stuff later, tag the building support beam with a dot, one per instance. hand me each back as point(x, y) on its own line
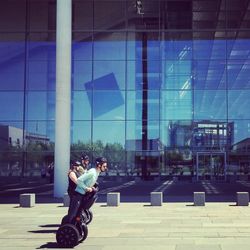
point(63, 95)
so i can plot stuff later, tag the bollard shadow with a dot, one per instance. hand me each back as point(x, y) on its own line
point(49, 245)
point(147, 205)
point(233, 205)
point(103, 205)
point(190, 205)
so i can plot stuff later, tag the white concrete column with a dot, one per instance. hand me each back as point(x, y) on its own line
point(63, 95)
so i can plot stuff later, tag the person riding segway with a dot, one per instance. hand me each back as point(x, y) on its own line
point(75, 230)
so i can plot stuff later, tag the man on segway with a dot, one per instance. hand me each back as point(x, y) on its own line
point(74, 226)
point(85, 189)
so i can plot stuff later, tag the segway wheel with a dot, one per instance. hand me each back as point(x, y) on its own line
point(84, 232)
point(89, 216)
point(67, 236)
point(64, 220)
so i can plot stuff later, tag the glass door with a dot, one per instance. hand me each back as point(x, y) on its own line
point(211, 165)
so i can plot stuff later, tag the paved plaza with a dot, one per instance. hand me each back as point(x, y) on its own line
point(132, 226)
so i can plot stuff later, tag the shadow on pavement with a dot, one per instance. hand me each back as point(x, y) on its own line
point(49, 245)
point(50, 231)
point(50, 225)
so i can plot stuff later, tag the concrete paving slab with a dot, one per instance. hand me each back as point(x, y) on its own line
point(174, 226)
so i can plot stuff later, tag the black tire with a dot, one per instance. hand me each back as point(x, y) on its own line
point(67, 236)
point(84, 232)
point(64, 220)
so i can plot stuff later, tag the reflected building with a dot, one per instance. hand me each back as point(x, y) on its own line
point(163, 84)
point(16, 137)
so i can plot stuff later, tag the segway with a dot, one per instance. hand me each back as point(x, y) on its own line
point(71, 234)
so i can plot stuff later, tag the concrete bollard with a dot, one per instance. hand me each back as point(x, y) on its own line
point(242, 198)
point(113, 199)
point(27, 200)
point(66, 200)
point(199, 198)
point(156, 198)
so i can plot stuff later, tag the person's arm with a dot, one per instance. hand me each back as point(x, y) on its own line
point(83, 179)
point(73, 177)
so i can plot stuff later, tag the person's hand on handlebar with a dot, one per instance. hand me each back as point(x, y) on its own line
point(89, 189)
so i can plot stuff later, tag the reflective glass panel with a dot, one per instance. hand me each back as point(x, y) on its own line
point(108, 132)
point(41, 75)
point(41, 46)
point(108, 105)
point(176, 105)
point(142, 136)
point(108, 75)
point(176, 133)
point(109, 46)
point(40, 105)
point(209, 74)
point(82, 46)
point(238, 104)
point(80, 134)
point(210, 104)
point(238, 74)
point(138, 103)
point(11, 105)
point(81, 105)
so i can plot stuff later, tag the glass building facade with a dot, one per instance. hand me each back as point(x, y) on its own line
point(161, 88)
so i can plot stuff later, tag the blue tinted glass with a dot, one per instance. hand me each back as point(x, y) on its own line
point(40, 105)
point(177, 75)
point(209, 49)
point(241, 131)
point(40, 50)
point(135, 141)
point(238, 74)
point(108, 105)
point(109, 132)
point(135, 105)
point(209, 74)
point(11, 74)
point(12, 56)
point(80, 132)
point(210, 104)
point(109, 75)
point(135, 74)
point(81, 74)
point(136, 48)
point(238, 49)
point(238, 104)
point(11, 105)
point(176, 105)
point(177, 49)
point(81, 107)
point(82, 50)
point(41, 75)
point(109, 46)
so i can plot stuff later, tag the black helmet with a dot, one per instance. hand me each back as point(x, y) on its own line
point(76, 163)
point(100, 160)
point(84, 157)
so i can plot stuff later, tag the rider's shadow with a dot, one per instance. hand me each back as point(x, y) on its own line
point(47, 231)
